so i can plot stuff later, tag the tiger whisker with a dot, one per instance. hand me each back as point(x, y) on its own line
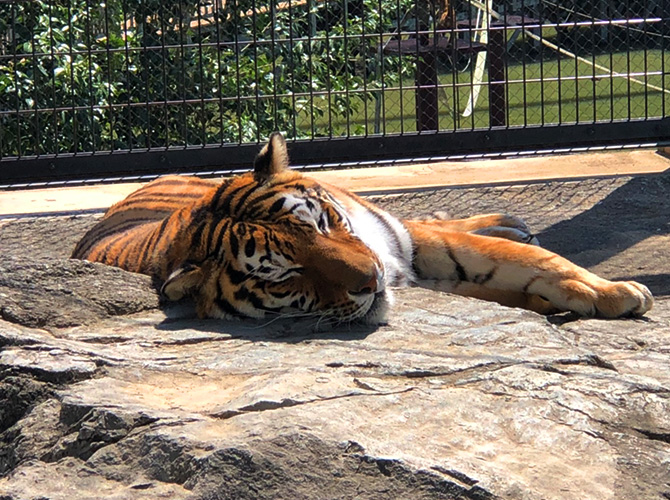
point(279, 316)
point(322, 317)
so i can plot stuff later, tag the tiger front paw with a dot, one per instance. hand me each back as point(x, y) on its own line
point(623, 298)
point(606, 299)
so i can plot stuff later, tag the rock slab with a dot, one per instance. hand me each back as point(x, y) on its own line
point(454, 398)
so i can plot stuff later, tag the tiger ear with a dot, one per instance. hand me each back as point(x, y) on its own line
point(182, 282)
point(272, 159)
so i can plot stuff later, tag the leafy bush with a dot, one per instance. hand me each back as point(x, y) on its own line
point(77, 75)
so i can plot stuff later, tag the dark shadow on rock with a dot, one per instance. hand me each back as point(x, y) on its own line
point(659, 284)
point(563, 318)
point(286, 330)
point(571, 317)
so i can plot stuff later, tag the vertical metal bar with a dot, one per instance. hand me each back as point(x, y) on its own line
point(418, 11)
point(382, 73)
point(203, 109)
point(91, 91)
point(489, 44)
point(146, 70)
point(542, 19)
point(273, 62)
point(559, 76)
point(17, 100)
point(594, 45)
point(36, 95)
point(110, 110)
point(310, 54)
point(364, 51)
point(646, 14)
point(254, 23)
point(128, 109)
point(628, 65)
point(433, 27)
point(524, 58)
point(506, 87)
point(379, 69)
point(401, 90)
point(576, 76)
point(3, 152)
point(164, 62)
point(665, 32)
point(182, 59)
point(294, 114)
point(238, 54)
point(610, 46)
point(73, 96)
point(345, 49)
point(329, 86)
point(219, 76)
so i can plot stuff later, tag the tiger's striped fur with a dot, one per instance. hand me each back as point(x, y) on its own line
point(276, 242)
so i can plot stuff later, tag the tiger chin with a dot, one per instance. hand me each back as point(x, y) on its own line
point(275, 243)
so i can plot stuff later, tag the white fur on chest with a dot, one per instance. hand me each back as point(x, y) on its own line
point(388, 238)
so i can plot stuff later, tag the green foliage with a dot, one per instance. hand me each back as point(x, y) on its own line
point(78, 75)
point(53, 57)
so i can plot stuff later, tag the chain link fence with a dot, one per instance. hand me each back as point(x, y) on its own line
point(82, 78)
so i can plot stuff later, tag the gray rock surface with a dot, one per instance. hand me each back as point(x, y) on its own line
point(104, 395)
point(65, 292)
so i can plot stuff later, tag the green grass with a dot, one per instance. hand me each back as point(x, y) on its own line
point(545, 101)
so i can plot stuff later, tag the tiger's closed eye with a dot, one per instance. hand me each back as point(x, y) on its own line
point(289, 273)
point(276, 272)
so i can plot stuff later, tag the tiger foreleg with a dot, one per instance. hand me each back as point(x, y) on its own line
point(501, 269)
point(505, 297)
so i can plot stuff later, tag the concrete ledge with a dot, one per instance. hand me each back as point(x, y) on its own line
point(375, 179)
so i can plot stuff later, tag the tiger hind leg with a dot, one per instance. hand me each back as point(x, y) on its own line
point(514, 273)
point(496, 225)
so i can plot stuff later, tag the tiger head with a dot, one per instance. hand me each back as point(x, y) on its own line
point(273, 243)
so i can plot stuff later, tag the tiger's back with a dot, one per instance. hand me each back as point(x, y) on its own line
point(130, 233)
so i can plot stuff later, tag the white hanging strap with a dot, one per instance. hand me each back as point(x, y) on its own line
point(482, 36)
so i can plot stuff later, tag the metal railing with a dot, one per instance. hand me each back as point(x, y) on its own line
point(92, 90)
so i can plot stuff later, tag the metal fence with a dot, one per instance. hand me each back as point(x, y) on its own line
point(92, 89)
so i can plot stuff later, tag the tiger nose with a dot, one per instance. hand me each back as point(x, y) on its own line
point(371, 284)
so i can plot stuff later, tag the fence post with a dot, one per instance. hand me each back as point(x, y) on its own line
point(425, 77)
point(497, 47)
point(426, 92)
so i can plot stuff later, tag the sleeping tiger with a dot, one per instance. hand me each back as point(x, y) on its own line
point(274, 242)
